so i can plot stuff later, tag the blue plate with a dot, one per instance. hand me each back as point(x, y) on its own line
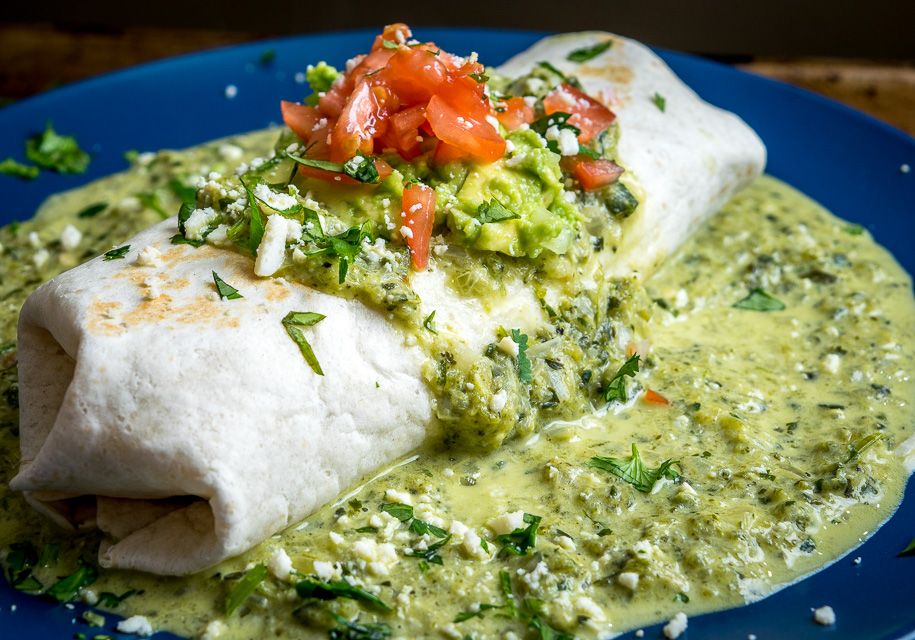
point(847, 161)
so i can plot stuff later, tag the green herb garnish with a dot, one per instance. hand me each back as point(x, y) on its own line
point(112, 600)
point(355, 631)
point(431, 552)
point(310, 587)
point(494, 211)
point(387, 44)
point(589, 53)
point(909, 550)
point(360, 167)
point(853, 229)
point(520, 541)
point(49, 555)
point(480, 77)
point(292, 322)
point(402, 512)
point(245, 588)
point(429, 323)
point(267, 56)
point(346, 246)
point(56, 152)
point(659, 101)
point(421, 528)
point(681, 597)
point(67, 588)
point(92, 210)
point(19, 562)
point(152, 201)
point(184, 193)
point(16, 169)
point(525, 373)
point(256, 230)
point(634, 470)
point(117, 254)
point(759, 300)
point(616, 388)
point(226, 291)
point(865, 443)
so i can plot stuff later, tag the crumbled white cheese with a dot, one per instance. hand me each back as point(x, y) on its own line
point(70, 237)
point(509, 346)
point(88, 596)
point(280, 564)
point(336, 538)
point(213, 630)
point(629, 579)
point(458, 529)
point(565, 139)
point(566, 543)
point(149, 256)
point(327, 570)
point(272, 250)
point(378, 558)
point(506, 523)
point(587, 607)
point(137, 625)
point(40, 258)
point(275, 200)
point(676, 626)
point(498, 401)
point(402, 497)
point(831, 363)
point(824, 616)
point(472, 546)
point(406, 232)
point(197, 223)
point(33, 239)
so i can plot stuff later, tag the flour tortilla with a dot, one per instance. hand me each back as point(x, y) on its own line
point(190, 428)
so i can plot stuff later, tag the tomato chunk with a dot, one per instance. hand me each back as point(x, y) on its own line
point(594, 174)
point(415, 74)
point(516, 112)
point(460, 120)
point(653, 397)
point(300, 118)
point(588, 114)
point(356, 127)
point(419, 216)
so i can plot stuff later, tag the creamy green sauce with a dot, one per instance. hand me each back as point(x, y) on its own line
point(767, 413)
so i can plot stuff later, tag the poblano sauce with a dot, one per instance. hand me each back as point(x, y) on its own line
point(781, 336)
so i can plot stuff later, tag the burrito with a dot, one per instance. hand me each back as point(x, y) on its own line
point(437, 252)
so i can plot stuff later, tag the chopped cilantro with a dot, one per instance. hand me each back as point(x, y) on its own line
point(589, 53)
point(429, 323)
point(480, 77)
point(56, 152)
point(360, 167)
point(759, 300)
point(19, 562)
point(292, 322)
point(865, 443)
point(346, 245)
point(117, 254)
point(185, 193)
point(49, 555)
point(310, 587)
point(616, 388)
point(92, 210)
point(494, 211)
point(152, 201)
point(659, 101)
point(909, 550)
point(355, 631)
point(853, 229)
point(431, 552)
point(245, 588)
point(634, 470)
point(267, 56)
point(112, 600)
point(559, 119)
point(16, 169)
point(402, 512)
point(256, 231)
point(387, 44)
point(226, 291)
point(681, 597)
point(520, 541)
point(67, 588)
point(421, 528)
point(525, 373)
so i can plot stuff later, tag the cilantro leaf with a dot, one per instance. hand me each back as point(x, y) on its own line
point(759, 300)
point(525, 373)
point(634, 470)
point(909, 550)
point(853, 229)
point(549, 67)
point(256, 231)
point(16, 169)
point(92, 210)
point(387, 44)
point(292, 322)
point(19, 562)
point(226, 291)
point(245, 588)
point(49, 555)
point(479, 77)
point(589, 53)
point(355, 631)
point(310, 587)
point(117, 254)
point(520, 541)
point(56, 152)
point(186, 194)
point(346, 245)
point(659, 101)
point(616, 389)
point(152, 201)
point(559, 119)
point(360, 167)
point(494, 211)
point(431, 552)
point(67, 588)
point(112, 600)
point(429, 323)
point(402, 512)
point(865, 443)
point(421, 528)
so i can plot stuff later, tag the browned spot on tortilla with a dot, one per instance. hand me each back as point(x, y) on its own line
point(617, 74)
point(104, 318)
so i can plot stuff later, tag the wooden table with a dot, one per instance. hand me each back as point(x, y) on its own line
point(34, 58)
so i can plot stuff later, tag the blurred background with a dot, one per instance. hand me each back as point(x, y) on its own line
point(860, 53)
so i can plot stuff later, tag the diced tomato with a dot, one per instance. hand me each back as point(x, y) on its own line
point(516, 112)
point(382, 167)
point(458, 116)
point(404, 130)
point(300, 118)
point(445, 153)
point(594, 174)
point(655, 398)
point(357, 126)
point(398, 33)
point(588, 114)
point(419, 216)
point(415, 74)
